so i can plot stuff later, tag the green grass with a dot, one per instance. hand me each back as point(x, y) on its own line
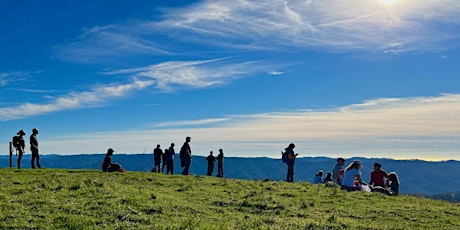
point(86, 199)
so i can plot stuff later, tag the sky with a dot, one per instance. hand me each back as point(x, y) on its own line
point(369, 78)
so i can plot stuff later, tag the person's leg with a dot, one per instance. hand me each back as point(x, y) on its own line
point(32, 159)
point(20, 158)
point(38, 160)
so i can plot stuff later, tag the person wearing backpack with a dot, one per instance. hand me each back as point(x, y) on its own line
point(19, 144)
point(34, 149)
point(289, 151)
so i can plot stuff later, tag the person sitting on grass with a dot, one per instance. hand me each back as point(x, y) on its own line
point(353, 173)
point(393, 183)
point(108, 166)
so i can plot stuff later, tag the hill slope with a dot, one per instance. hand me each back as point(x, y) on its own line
point(416, 176)
point(86, 199)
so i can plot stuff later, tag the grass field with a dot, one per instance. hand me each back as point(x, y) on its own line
point(86, 199)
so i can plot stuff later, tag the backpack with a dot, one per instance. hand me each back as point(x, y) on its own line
point(284, 157)
point(17, 142)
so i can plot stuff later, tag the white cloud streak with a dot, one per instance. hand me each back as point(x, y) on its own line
point(73, 100)
point(165, 76)
point(417, 127)
point(334, 24)
point(193, 74)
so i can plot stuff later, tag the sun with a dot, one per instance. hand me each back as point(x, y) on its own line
point(387, 2)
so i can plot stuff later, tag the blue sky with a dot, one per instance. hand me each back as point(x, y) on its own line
point(370, 78)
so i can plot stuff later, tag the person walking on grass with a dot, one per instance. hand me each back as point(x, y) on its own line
point(290, 162)
point(108, 166)
point(34, 149)
point(220, 163)
point(170, 159)
point(157, 153)
point(186, 156)
point(211, 160)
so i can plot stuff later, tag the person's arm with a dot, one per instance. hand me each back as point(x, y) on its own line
point(358, 177)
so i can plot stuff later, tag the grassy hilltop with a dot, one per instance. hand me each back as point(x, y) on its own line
point(87, 199)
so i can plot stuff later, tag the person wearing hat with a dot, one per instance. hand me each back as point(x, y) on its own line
point(108, 166)
point(351, 175)
point(378, 176)
point(290, 162)
point(19, 144)
point(220, 163)
point(336, 175)
point(34, 149)
point(186, 156)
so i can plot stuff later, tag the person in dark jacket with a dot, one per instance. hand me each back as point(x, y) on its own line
point(220, 163)
point(108, 166)
point(186, 156)
point(157, 153)
point(291, 160)
point(170, 160)
point(20, 145)
point(34, 149)
point(211, 160)
point(164, 159)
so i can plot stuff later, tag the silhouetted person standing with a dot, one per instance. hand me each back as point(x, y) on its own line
point(164, 159)
point(290, 162)
point(34, 149)
point(170, 160)
point(211, 160)
point(186, 156)
point(19, 144)
point(220, 163)
point(157, 153)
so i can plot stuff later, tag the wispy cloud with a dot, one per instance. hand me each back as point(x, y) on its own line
point(189, 123)
point(75, 100)
point(105, 43)
point(167, 76)
point(8, 78)
point(332, 24)
point(194, 74)
point(396, 127)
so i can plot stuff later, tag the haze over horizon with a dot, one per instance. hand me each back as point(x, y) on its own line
point(373, 78)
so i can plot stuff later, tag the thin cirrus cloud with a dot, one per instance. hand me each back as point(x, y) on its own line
point(336, 24)
point(74, 100)
point(397, 127)
point(193, 74)
point(165, 76)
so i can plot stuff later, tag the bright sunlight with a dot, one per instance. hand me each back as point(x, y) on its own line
point(388, 2)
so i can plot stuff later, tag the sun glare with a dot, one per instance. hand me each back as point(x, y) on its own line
point(388, 2)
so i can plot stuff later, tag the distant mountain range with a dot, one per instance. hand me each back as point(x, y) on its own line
point(416, 176)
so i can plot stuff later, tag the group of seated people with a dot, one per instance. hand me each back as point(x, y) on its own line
point(351, 180)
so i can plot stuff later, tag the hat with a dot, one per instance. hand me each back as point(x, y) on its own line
point(340, 159)
point(292, 145)
point(21, 132)
point(110, 150)
point(188, 138)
